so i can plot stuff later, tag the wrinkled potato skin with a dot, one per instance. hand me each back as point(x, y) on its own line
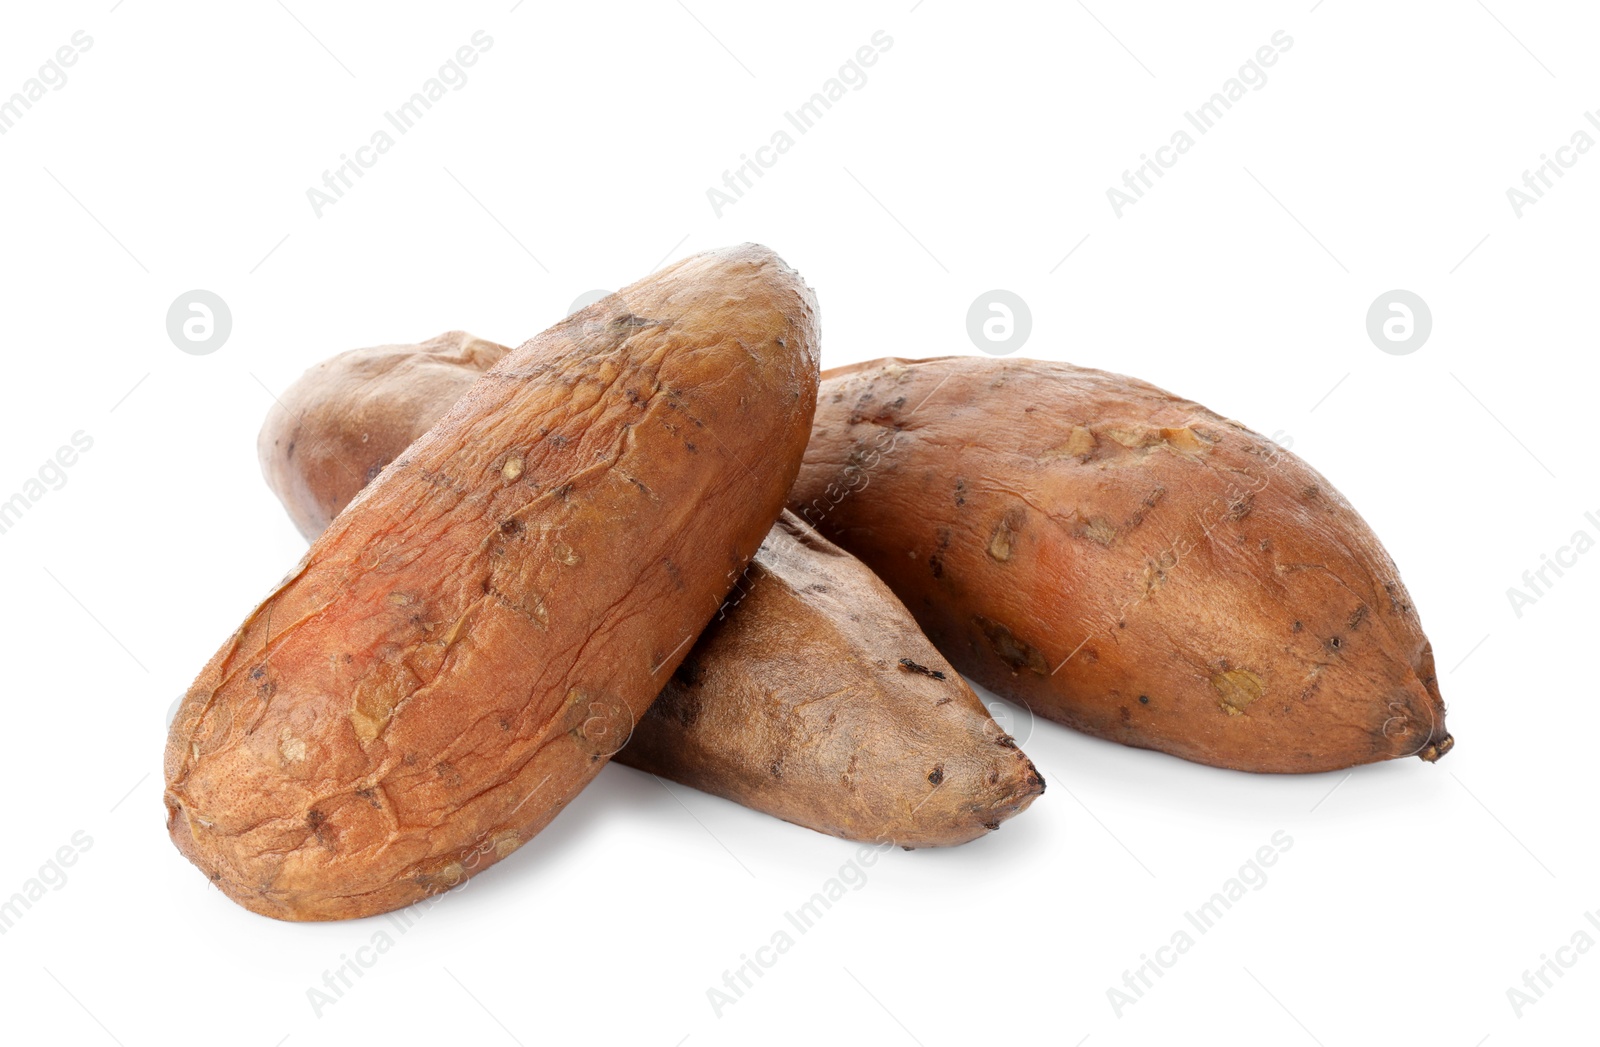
point(793, 702)
point(467, 643)
point(817, 699)
point(362, 408)
point(1125, 562)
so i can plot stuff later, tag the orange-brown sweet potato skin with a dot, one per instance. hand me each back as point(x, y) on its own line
point(1125, 561)
point(812, 696)
point(463, 648)
point(347, 418)
point(817, 699)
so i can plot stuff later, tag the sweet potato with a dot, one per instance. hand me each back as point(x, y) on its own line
point(366, 406)
point(819, 700)
point(1125, 562)
point(813, 696)
point(463, 648)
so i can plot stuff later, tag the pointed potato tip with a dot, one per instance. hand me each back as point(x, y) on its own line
point(1036, 781)
point(1434, 750)
point(1027, 785)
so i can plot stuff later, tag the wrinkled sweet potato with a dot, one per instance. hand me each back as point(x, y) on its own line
point(819, 700)
point(365, 406)
point(464, 647)
point(1125, 561)
point(813, 696)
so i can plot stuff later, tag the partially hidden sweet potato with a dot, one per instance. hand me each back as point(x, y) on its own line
point(818, 699)
point(1125, 561)
point(812, 696)
point(465, 646)
point(365, 406)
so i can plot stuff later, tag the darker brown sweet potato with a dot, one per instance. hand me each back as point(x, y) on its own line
point(463, 648)
point(1125, 561)
point(818, 699)
point(813, 696)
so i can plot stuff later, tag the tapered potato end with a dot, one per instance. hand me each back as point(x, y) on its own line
point(1434, 750)
point(815, 698)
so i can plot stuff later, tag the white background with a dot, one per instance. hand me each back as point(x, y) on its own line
point(977, 155)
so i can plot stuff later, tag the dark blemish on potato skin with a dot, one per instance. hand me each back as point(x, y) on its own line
point(936, 565)
point(369, 796)
point(991, 826)
point(512, 526)
point(1151, 500)
point(1144, 699)
point(678, 703)
point(1298, 626)
point(1005, 741)
point(936, 776)
point(1014, 652)
point(1396, 605)
point(316, 821)
point(907, 665)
